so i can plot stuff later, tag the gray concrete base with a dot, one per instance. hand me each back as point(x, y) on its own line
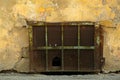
point(16, 76)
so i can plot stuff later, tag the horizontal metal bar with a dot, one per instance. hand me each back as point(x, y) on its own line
point(39, 23)
point(64, 47)
point(87, 23)
point(35, 23)
point(73, 70)
point(82, 23)
point(61, 70)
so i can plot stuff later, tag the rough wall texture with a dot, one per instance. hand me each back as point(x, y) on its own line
point(14, 36)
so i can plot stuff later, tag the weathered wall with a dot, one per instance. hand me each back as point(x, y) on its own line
point(14, 36)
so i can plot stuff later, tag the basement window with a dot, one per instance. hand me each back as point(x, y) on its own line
point(71, 46)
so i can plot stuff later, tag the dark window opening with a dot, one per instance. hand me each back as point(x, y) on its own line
point(56, 61)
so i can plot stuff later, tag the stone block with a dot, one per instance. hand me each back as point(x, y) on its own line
point(22, 65)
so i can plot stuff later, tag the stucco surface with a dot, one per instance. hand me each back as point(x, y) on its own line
point(14, 34)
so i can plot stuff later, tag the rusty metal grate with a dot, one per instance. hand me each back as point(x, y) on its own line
point(77, 45)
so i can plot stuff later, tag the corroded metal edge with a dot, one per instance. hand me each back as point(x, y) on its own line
point(30, 31)
point(38, 23)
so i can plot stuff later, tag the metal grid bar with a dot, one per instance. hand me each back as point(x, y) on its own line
point(62, 47)
point(78, 49)
point(70, 23)
point(46, 41)
point(97, 42)
point(30, 37)
point(30, 32)
point(86, 23)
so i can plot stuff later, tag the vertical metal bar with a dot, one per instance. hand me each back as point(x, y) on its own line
point(96, 43)
point(46, 44)
point(62, 37)
point(30, 33)
point(78, 46)
point(30, 37)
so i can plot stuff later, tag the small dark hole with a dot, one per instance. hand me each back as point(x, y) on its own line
point(56, 61)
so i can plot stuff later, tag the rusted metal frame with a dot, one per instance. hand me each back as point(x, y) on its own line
point(63, 47)
point(38, 23)
point(30, 37)
point(76, 23)
point(97, 47)
point(102, 59)
point(35, 23)
point(62, 37)
point(79, 23)
point(78, 45)
point(46, 45)
point(30, 33)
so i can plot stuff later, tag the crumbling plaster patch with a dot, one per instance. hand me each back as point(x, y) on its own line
point(22, 65)
point(12, 37)
point(112, 49)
